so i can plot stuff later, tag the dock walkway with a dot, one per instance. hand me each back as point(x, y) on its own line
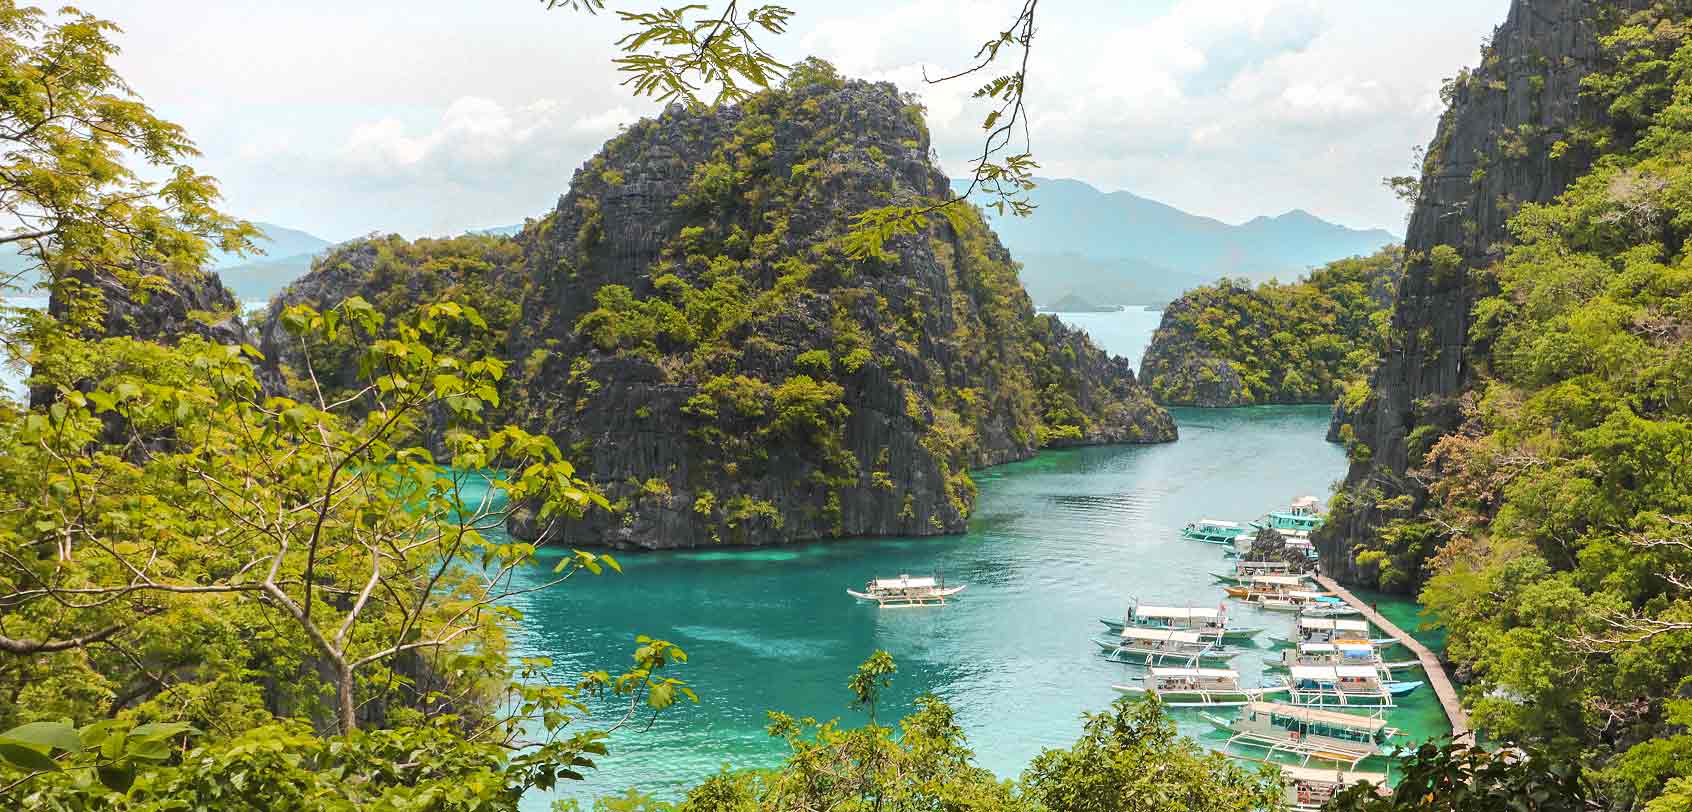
point(1442, 686)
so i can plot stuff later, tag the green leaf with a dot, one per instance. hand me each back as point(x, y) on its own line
point(46, 734)
point(26, 757)
point(117, 779)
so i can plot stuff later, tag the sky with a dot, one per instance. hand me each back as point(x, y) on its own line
point(428, 117)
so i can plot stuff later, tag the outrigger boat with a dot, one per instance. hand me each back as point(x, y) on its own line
point(1304, 516)
point(1360, 652)
point(1198, 687)
point(1330, 630)
point(1264, 586)
point(1310, 733)
point(906, 591)
point(1213, 531)
point(1208, 622)
point(1309, 604)
point(1158, 646)
point(1309, 789)
point(1244, 571)
point(1345, 686)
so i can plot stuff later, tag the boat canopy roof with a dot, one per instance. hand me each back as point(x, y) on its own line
point(1262, 565)
point(1316, 648)
point(1301, 593)
point(1216, 523)
point(1305, 502)
point(1177, 612)
point(1281, 580)
point(904, 582)
point(1223, 673)
point(1356, 671)
point(1177, 635)
point(1355, 647)
point(1337, 719)
point(1341, 777)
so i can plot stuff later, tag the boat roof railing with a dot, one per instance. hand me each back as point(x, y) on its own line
point(1283, 580)
point(1333, 671)
point(1373, 724)
point(904, 582)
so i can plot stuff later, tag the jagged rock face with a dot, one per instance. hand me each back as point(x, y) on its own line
point(1186, 373)
point(698, 340)
point(1492, 152)
point(189, 304)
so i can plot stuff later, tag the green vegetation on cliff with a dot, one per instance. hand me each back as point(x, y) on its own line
point(1235, 344)
point(1553, 531)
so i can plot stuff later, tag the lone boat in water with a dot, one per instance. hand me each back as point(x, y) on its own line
point(1213, 531)
point(1208, 622)
point(1198, 687)
point(1345, 686)
point(1158, 646)
point(1310, 733)
point(906, 591)
point(1308, 789)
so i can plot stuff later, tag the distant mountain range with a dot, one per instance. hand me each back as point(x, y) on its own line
point(1120, 248)
point(1105, 248)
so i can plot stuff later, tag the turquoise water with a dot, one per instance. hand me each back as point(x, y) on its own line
point(1055, 543)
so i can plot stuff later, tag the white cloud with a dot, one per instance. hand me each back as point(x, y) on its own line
point(436, 115)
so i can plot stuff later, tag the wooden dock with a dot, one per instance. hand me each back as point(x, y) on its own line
point(1442, 686)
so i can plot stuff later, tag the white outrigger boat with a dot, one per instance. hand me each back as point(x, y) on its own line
point(1244, 571)
point(1308, 733)
point(1208, 622)
point(1345, 686)
point(906, 591)
point(1307, 603)
point(1158, 646)
point(1330, 630)
point(1345, 652)
point(1266, 585)
point(1309, 789)
point(1198, 687)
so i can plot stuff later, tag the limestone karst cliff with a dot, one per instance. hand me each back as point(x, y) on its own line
point(691, 327)
point(1507, 138)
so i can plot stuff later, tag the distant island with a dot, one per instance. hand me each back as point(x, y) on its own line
point(1072, 303)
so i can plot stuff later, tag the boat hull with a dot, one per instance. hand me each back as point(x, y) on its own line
point(934, 598)
point(1238, 697)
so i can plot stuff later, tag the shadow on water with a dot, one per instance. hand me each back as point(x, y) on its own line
point(1056, 542)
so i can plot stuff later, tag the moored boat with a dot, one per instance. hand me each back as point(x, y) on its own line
point(1313, 604)
point(1244, 571)
point(1308, 733)
point(1347, 652)
point(1308, 789)
point(1207, 621)
point(906, 591)
point(1213, 531)
point(1198, 687)
point(1329, 630)
point(1345, 686)
point(1304, 516)
point(1160, 646)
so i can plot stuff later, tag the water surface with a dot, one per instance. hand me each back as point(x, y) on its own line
point(1055, 543)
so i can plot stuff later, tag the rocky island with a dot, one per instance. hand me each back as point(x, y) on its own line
point(1238, 344)
point(689, 324)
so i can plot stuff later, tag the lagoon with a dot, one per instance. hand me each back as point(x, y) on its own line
point(1055, 543)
